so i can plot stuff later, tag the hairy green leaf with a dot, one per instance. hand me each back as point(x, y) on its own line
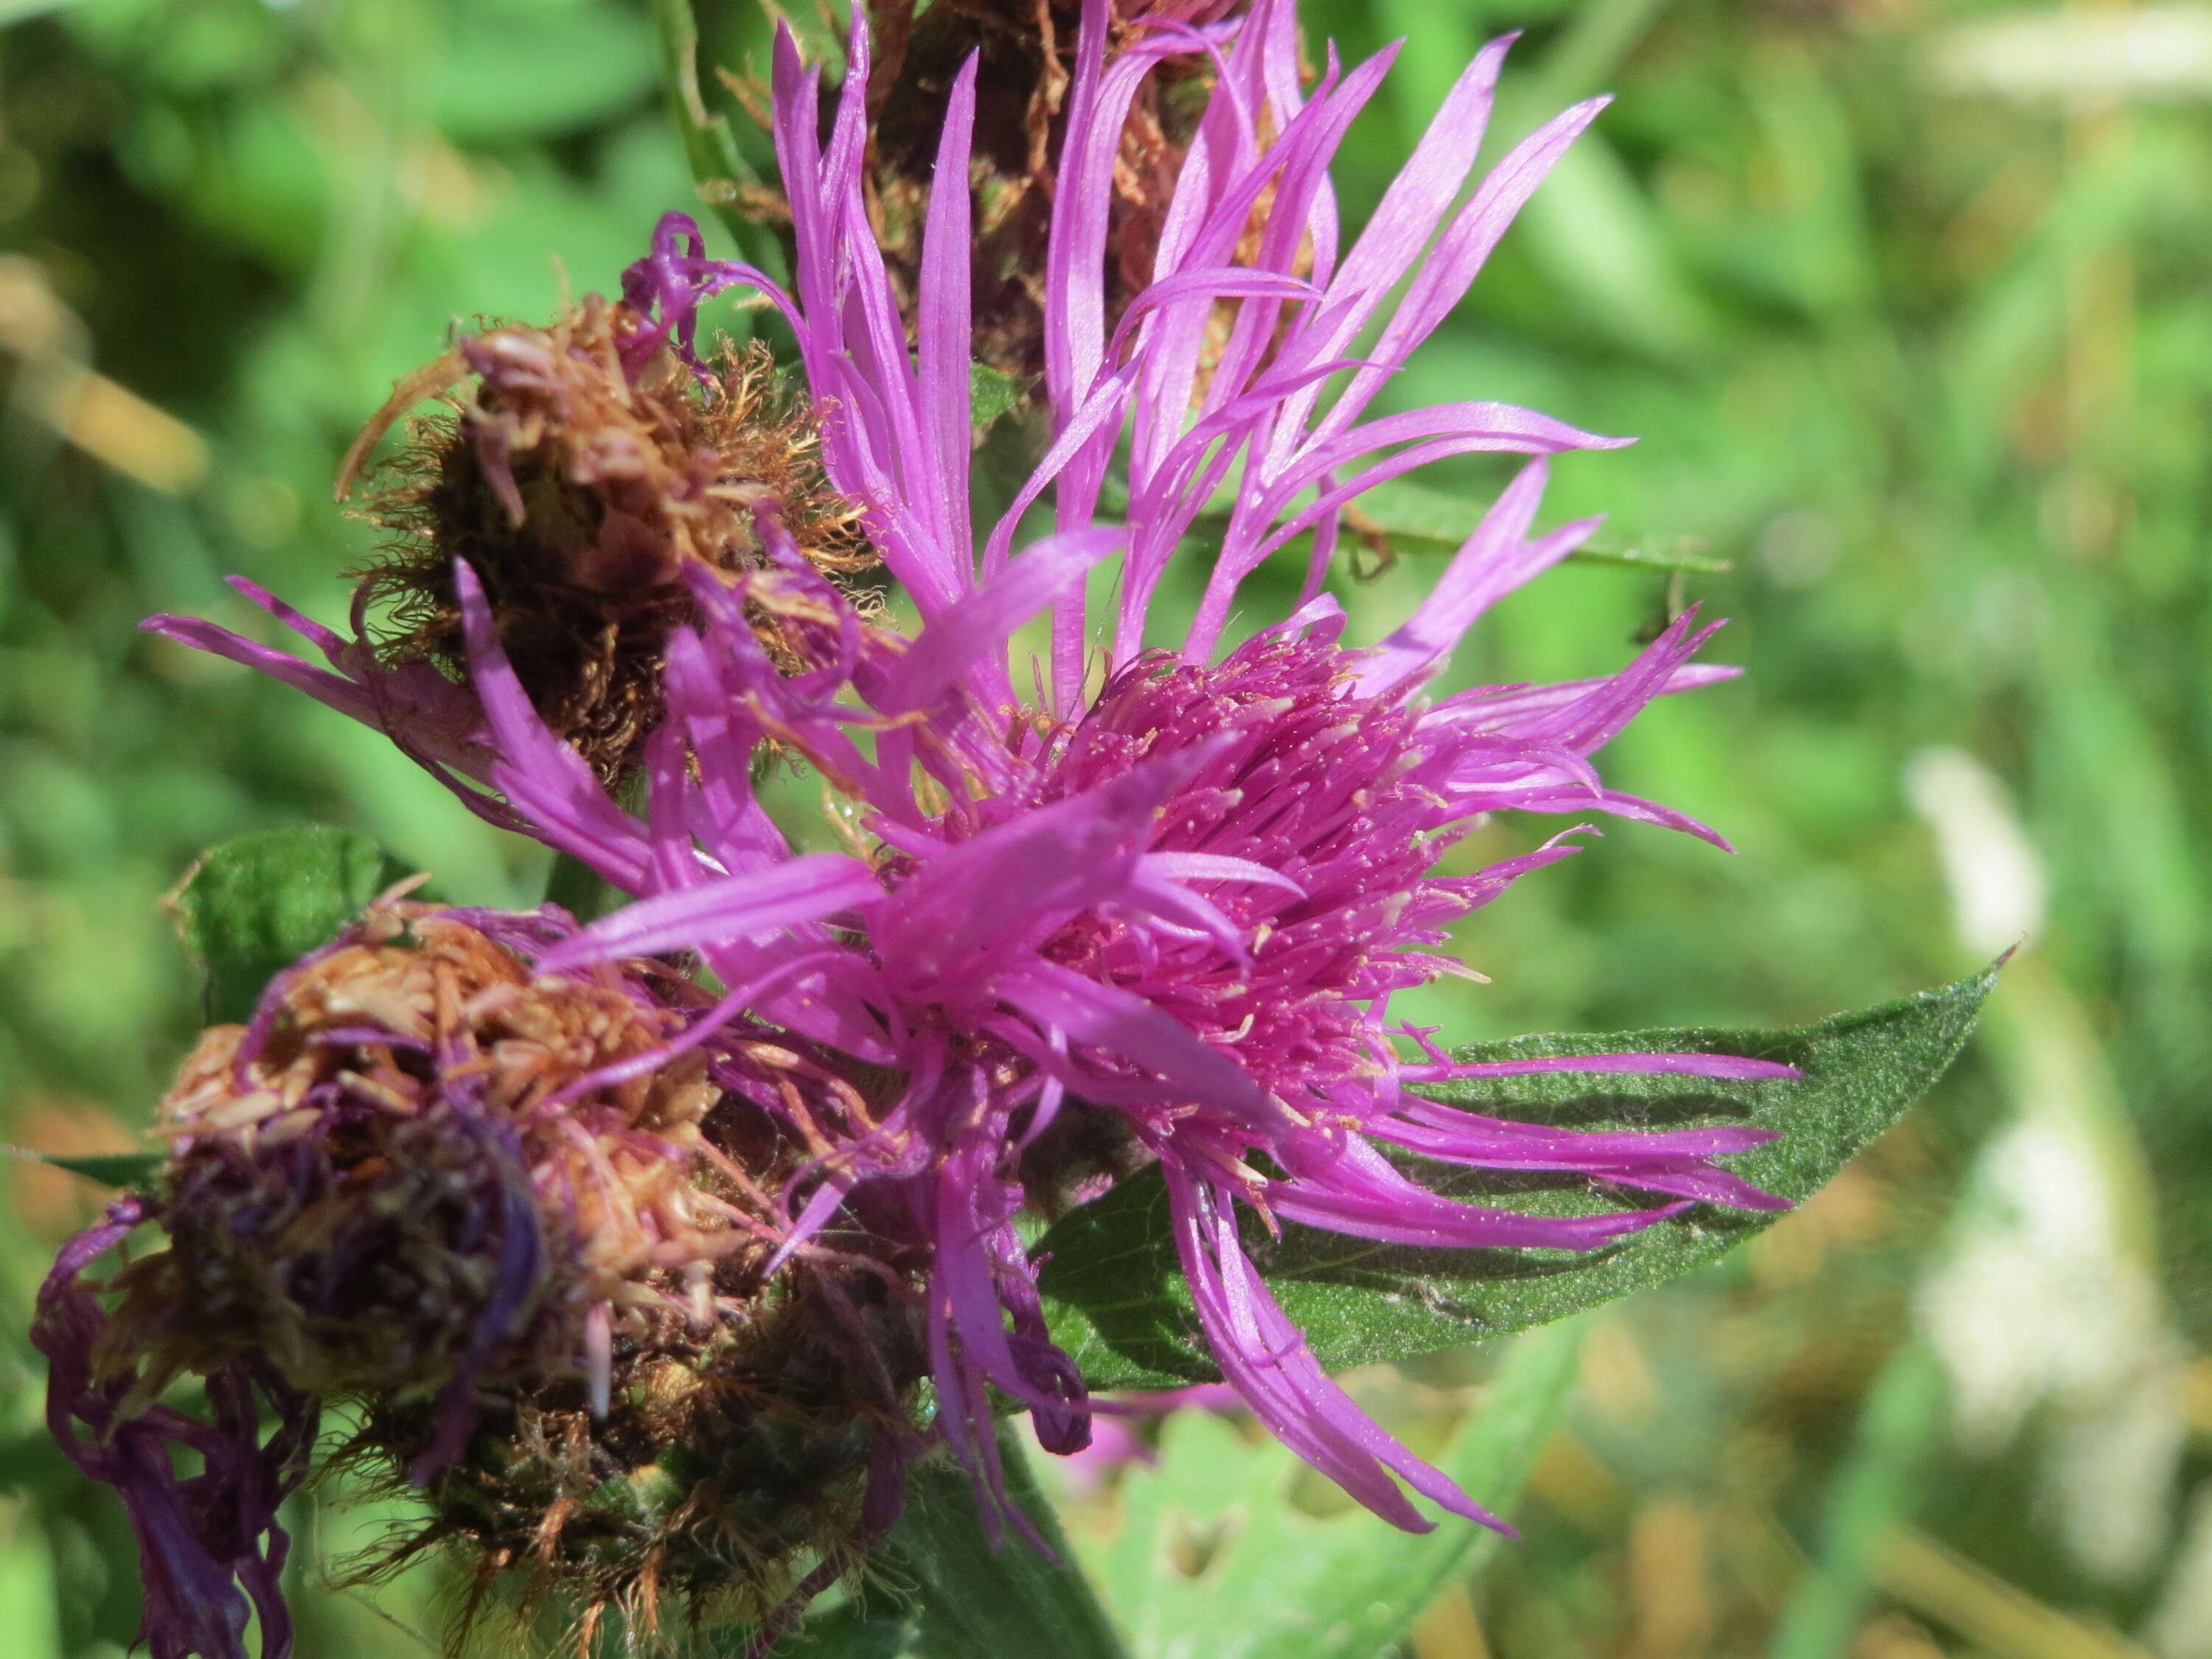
point(1118, 1302)
point(981, 1600)
point(132, 1171)
point(1421, 520)
point(991, 393)
point(1211, 1559)
point(256, 903)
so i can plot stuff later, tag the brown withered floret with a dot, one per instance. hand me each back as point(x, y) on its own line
point(1027, 59)
point(380, 1193)
point(415, 1188)
point(727, 1482)
point(577, 495)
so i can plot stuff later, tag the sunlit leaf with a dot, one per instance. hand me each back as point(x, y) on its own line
point(255, 904)
point(1420, 520)
point(497, 78)
point(991, 393)
point(1212, 1559)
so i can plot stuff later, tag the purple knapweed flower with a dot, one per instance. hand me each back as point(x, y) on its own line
point(1170, 887)
point(1149, 901)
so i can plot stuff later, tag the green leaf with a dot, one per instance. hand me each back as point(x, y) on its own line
point(132, 1171)
point(991, 393)
point(1684, 553)
point(1117, 1301)
point(1211, 1556)
point(1423, 520)
point(255, 904)
point(977, 1601)
point(580, 891)
point(494, 78)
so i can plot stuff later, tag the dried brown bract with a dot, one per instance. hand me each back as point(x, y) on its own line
point(733, 1474)
point(1027, 58)
point(580, 493)
point(524, 1246)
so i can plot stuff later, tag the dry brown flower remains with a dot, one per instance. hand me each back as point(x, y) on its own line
point(579, 495)
point(1027, 59)
point(535, 1287)
point(376, 1187)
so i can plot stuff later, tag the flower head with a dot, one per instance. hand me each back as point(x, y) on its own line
point(1171, 893)
point(518, 1224)
point(1147, 901)
point(1025, 52)
point(588, 465)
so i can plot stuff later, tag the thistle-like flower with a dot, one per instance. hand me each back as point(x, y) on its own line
point(1146, 901)
point(516, 1224)
point(1156, 909)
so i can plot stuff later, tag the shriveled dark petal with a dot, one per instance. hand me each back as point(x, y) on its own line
point(211, 1550)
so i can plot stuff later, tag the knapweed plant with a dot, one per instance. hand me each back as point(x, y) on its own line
point(681, 1249)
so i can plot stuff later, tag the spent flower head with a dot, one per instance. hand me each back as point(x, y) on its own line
point(516, 1225)
point(579, 471)
point(1025, 52)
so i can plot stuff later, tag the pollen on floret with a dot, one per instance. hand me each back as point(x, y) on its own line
point(578, 478)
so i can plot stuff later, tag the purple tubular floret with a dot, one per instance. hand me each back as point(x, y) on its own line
point(211, 1547)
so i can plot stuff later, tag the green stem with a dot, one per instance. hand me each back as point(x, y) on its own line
point(580, 889)
point(718, 166)
point(982, 1602)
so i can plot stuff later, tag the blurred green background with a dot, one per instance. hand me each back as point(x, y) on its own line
point(1911, 304)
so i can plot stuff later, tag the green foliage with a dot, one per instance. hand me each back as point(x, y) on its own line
point(1215, 1556)
point(991, 393)
point(1118, 1302)
point(1431, 522)
point(130, 1169)
point(255, 904)
point(985, 1597)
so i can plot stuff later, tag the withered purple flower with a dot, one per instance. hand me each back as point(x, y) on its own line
point(517, 1224)
point(586, 465)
